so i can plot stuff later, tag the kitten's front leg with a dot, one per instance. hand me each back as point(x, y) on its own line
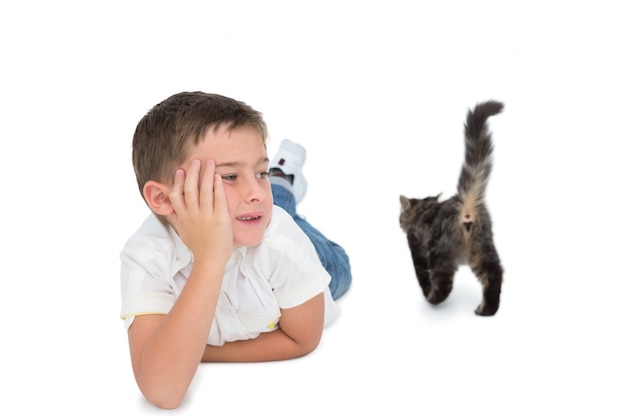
point(441, 283)
point(442, 267)
point(420, 263)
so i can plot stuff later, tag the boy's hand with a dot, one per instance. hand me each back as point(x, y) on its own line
point(200, 214)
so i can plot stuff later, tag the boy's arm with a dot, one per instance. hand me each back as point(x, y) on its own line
point(299, 333)
point(167, 349)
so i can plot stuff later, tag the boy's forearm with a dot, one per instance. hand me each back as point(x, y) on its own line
point(170, 356)
point(299, 333)
point(272, 346)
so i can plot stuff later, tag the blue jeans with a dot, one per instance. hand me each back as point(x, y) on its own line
point(333, 257)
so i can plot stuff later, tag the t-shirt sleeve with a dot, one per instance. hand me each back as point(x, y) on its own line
point(146, 287)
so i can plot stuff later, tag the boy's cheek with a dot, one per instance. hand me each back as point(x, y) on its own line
point(230, 203)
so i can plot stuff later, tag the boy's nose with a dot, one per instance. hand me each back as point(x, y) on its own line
point(254, 191)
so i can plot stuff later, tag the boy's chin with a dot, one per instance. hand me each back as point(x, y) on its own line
point(248, 242)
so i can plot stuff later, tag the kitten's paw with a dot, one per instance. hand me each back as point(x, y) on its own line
point(486, 310)
point(437, 297)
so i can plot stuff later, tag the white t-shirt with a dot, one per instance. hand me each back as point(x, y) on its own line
point(283, 271)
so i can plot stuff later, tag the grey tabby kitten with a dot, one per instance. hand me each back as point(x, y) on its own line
point(444, 235)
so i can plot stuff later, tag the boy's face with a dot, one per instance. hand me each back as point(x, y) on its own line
point(241, 160)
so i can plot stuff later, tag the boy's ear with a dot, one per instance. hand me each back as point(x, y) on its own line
point(156, 195)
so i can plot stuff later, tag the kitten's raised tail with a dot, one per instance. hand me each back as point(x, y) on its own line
point(478, 162)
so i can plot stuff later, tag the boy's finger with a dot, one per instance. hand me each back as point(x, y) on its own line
point(219, 196)
point(191, 184)
point(176, 193)
point(206, 187)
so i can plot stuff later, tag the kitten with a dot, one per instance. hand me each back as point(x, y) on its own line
point(444, 235)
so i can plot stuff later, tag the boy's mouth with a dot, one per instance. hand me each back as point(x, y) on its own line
point(248, 218)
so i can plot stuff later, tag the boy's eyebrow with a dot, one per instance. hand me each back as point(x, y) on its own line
point(261, 161)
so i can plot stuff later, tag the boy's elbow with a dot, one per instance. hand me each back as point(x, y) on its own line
point(309, 349)
point(163, 398)
point(166, 402)
point(309, 344)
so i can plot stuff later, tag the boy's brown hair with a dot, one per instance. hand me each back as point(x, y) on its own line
point(164, 135)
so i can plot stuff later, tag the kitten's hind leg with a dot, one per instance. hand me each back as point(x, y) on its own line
point(420, 263)
point(488, 270)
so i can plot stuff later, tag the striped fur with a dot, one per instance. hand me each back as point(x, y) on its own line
point(457, 231)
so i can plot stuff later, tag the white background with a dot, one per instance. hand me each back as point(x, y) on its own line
point(377, 92)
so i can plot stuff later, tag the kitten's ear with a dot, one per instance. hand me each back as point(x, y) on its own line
point(437, 196)
point(404, 202)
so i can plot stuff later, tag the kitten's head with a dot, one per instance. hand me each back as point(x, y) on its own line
point(411, 209)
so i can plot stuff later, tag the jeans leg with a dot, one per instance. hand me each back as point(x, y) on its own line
point(333, 257)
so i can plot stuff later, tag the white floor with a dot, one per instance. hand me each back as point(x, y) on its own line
point(377, 92)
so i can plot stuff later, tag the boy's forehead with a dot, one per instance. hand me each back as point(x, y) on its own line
point(226, 130)
point(226, 145)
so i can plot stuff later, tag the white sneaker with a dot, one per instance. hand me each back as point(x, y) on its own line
point(289, 159)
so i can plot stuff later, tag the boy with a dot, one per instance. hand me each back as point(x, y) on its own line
point(218, 271)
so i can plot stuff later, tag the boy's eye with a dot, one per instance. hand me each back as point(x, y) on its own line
point(233, 177)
